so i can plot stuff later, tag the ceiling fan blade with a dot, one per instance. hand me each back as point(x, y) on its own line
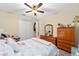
point(27, 5)
point(28, 11)
point(39, 5)
point(40, 11)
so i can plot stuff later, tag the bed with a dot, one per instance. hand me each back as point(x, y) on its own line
point(29, 47)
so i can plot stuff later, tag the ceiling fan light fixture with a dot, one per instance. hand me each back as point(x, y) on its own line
point(34, 11)
point(34, 8)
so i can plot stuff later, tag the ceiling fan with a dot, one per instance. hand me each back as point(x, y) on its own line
point(34, 8)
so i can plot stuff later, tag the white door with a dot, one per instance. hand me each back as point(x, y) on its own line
point(26, 29)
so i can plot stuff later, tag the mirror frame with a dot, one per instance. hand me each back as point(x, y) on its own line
point(47, 28)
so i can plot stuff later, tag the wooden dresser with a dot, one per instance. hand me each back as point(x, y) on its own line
point(66, 38)
point(48, 38)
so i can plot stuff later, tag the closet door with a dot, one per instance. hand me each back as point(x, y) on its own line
point(26, 29)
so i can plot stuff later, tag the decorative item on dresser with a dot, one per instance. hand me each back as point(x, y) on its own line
point(66, 38)
point(48, 38)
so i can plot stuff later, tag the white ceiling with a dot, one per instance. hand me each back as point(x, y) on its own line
point(49, 8)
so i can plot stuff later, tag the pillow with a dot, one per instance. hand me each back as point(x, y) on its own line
point(2, 41)
point(42, 41)
point(13, 44)
point(2, 36)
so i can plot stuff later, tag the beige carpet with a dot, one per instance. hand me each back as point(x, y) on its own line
point(63, 53)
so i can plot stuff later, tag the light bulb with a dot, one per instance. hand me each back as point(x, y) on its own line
point(34, 11)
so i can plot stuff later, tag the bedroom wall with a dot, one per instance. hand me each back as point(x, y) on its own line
point(9, 22)
point(64, 17)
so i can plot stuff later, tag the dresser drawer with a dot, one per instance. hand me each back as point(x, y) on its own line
point(63, 46)
point(72, 43)
point(48, 38)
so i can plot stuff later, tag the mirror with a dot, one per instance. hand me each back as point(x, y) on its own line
point(49, 29)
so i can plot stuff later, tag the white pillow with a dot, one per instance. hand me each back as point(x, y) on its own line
point(2, 41)
point(42, 41)
point(13, 44)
